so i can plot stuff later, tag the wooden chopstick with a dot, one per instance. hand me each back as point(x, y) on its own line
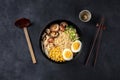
point(94, 41)
point(98, 44)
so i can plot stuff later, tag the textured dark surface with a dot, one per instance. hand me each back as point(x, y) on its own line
point(15, 61)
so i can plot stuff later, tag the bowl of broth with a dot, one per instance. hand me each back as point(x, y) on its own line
point(60, 41)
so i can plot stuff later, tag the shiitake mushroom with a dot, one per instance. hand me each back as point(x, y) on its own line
point(54, 34)
point(64, 24)
point(62, 28)
point(53, 31)
point(54, 27)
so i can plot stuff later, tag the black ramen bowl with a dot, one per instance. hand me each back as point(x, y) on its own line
point(58, 22)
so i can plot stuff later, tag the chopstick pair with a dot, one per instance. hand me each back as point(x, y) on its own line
point(98, 37)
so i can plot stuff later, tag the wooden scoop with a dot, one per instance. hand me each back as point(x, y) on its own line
point(24, 23)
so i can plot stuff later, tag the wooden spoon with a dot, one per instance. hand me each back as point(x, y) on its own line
point(24, 23)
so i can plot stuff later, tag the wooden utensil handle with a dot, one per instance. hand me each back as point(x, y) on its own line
point(29, 45)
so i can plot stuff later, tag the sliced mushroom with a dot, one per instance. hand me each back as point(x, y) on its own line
point(43, 35)
point(54, 27)
point(48, 31)
point(62, 28)
point(63, 24)
point(54, 34)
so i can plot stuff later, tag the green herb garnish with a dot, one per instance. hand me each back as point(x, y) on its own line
point(72, 32)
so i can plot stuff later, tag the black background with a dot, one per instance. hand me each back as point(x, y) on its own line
point(15, 61)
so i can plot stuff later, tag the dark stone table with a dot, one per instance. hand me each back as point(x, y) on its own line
point(15, 61)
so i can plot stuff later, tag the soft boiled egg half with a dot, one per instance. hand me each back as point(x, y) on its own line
point(67, 54)
point(76, 46)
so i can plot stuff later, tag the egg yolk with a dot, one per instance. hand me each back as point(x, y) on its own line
point(68, 54)
point(76, 45)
